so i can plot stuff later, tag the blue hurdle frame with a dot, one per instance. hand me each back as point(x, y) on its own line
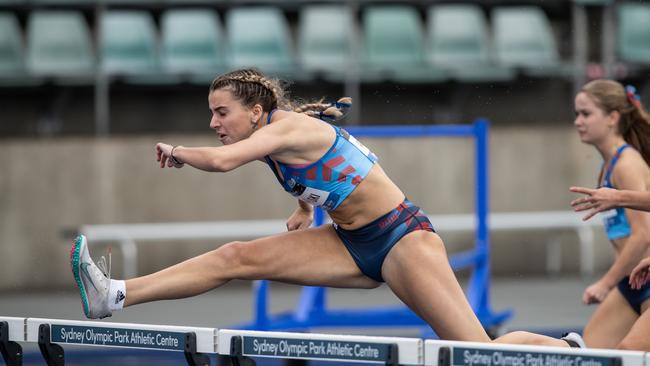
point(311, 310)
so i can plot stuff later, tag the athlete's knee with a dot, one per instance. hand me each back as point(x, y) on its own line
point(521, 337)
point(233, 254)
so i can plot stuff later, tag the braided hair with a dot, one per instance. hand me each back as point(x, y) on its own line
point(251, 87)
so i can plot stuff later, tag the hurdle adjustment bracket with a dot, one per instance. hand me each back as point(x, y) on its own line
point(52, 353)
point(12, 352)
point(192, 357)
point(393, 355)
point(236, 355)
point(444, 356)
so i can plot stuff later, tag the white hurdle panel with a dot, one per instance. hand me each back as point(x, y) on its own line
point(327, 347)
point(195, 342)
point(451, 353)
point(12, 330)
point(239, 347)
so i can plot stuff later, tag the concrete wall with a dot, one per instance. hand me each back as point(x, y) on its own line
point(52, 184)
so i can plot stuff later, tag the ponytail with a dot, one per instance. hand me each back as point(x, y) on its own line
point(635, 124)
point(328, 112)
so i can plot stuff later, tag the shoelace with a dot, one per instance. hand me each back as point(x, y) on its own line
point(101, 264)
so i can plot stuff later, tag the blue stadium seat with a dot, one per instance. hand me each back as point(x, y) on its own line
point(634, 33)
point(58, 45)
point(394, 45)
point(192, 44)
point(259, 37)
point(523, 38)
point(325, 40)
point(458, 39)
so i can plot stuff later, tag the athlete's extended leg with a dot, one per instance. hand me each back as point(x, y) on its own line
point(313, 256)
point(610, 322)
point(418, 271)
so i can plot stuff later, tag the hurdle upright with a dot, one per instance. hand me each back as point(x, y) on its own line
point(311, 309)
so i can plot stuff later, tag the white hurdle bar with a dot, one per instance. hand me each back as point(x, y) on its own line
point(324, 347)
point(454, 353)
point(240, 347)
point(50, 334)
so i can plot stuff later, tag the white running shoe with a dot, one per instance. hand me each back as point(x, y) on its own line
point(93, 282)
point(574, 340)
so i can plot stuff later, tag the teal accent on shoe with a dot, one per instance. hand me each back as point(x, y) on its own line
point(75, 270)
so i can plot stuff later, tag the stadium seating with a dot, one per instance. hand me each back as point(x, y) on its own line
point(634, 33)
point(259, 37)
point(523, 38)
point(394, 46)
point(458, 40)
point(58, 45)
point(325, 40)
point(129, 47)
point(192, 44)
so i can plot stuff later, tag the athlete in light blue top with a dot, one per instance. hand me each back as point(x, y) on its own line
point(615, 221)
point(377, 234)
point(612, 119)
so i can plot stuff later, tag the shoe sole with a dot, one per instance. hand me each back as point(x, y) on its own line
point(74, 261)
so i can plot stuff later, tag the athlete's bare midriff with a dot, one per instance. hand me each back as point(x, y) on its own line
point(375, 196)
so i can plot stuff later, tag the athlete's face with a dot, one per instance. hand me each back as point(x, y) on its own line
point(231, 120)
point(592, 123)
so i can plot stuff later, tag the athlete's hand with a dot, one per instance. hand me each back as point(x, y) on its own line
point(596, 200)
point(640, 274)
point(595, 293)
point(163, 155)
point(300, 219)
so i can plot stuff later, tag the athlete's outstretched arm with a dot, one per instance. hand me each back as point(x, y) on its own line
point(603, 199)
point(266, 141)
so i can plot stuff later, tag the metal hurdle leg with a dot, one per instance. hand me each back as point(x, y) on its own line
point(12, 352)
point(192, 357)
point(52, 353)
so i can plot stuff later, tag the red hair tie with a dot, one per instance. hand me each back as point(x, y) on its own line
point(632, 96)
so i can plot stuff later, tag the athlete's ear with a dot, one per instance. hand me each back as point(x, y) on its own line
point(613, 118)
point(256, 112)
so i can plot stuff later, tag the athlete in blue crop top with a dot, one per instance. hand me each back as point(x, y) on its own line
point(615, 221)
point(611, 119)
point(377, 235)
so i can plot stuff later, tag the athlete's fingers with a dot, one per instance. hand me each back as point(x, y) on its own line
point(584, 190)
point(590, 215)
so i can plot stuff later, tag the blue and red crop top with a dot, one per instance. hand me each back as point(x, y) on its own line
point(331, 179)
point(616, 224)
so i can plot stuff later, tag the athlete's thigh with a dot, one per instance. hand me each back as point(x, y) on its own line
point(311, 257)
point(418, 271)
point(610, 322)
point(638, 337)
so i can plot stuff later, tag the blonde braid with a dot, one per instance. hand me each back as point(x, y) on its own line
point(329, 112)
point(251, 87)
point(270, 85)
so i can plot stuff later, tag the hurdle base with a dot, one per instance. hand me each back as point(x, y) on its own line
point(12, 352)
point(52, 353)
